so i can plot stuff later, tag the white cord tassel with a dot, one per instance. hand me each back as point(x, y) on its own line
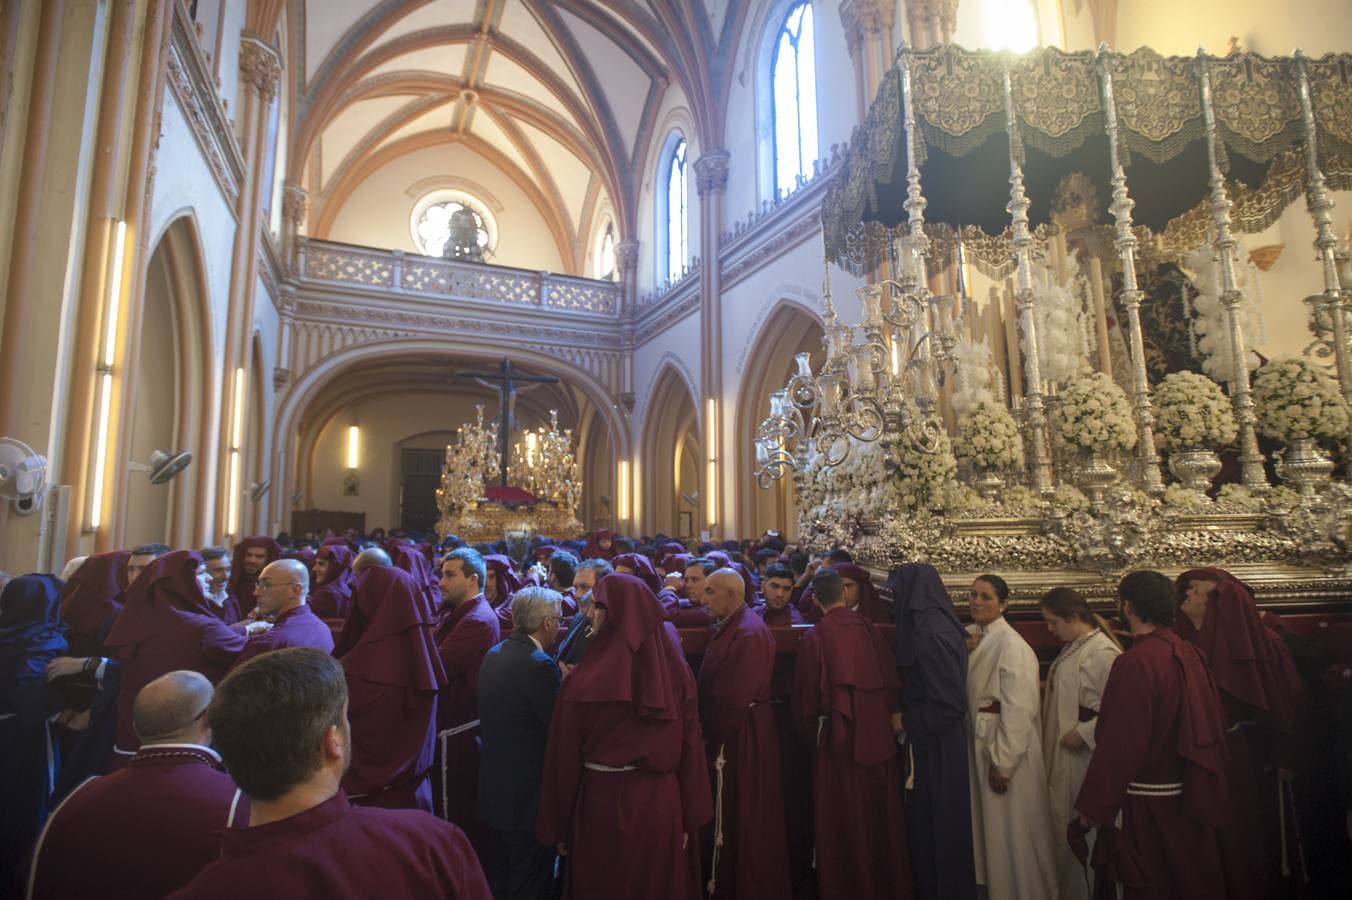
point(719, 762)
point(1281, 816)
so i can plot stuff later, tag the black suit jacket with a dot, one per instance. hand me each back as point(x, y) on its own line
point(517, 688)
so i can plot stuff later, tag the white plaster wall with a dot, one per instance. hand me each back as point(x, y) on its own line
point(376, 213)
point(228, 66)
point(1274, 29)
point(679, 344)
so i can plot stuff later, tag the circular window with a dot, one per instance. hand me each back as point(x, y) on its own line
point(454, 225)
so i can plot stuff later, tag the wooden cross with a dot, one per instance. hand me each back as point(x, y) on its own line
point(505, 380)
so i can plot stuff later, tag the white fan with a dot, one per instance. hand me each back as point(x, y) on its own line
point(259, 489)
point(163, 466)
point(23, 475)
point(691, 498)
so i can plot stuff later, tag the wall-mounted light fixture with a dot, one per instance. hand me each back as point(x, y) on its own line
point(104, 371)
point(236, 442)
point(622, 508)
point(353, 446)
point(711, 486)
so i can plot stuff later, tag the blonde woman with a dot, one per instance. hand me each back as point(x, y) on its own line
point(1069, 714)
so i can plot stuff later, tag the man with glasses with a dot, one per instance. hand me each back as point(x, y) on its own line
point(281, 593)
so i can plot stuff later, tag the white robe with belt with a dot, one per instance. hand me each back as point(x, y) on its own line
point(1011, 832)
point(1076, 680)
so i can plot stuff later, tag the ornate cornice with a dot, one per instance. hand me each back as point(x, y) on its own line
point(777, 242)
point(864, 19)
point(260, 66)
point(193, 86)
point(675, 307)
point(295, 203)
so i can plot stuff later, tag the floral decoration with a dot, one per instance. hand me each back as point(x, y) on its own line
point(1093, 414)
point(989, 439)
point(1192, 412)
point(1296, 400)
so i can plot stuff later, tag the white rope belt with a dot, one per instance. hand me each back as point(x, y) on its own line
point(600, 767)
point(1143, 789)
point(234, 808)
point(1240, 724)
point(445, 737)
point(120, 752)
point(719, 762)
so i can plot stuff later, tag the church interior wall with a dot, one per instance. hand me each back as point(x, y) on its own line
point(673, 116)
point(232, 16)
point(1273, 29)
point(679, 344)
point(376, 212)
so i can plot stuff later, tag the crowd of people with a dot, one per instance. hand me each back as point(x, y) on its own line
point(352, 716)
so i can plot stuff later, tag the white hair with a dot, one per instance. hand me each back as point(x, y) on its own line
point(532, 605)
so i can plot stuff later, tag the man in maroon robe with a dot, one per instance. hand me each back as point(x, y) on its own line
point(1261, 694)
point(502, 583)
point(91, 598)
point(626, 782)
point(166, 626)
point(749, 851)
point(466, 629)
point(251, 555)
point(845, 703)
point(777, 590)
point(281, 594)
point(1159, 759)
point(393, 676)
point(148, 829)
point(333, 581)
point(414, 561)
point(692, 613)
point(860, 594)
point(219, 599)
point(280, 724)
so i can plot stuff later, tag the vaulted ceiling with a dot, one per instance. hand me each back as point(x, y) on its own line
point(561, 95)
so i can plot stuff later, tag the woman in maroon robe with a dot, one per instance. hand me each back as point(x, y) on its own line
point(393, 677)
point(91, 598)
point(625, 785)
point(333, 591)
point(844, 692)
point(1261, 692)
point(165, 626)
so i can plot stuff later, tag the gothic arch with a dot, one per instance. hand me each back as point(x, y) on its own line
point(302, 394)
point(790, 328)
point(671, 446)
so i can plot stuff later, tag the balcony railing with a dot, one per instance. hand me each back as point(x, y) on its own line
point(402, 273)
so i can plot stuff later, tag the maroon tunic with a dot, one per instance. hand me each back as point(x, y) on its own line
point(691, 615)
point(735, 714)
point(141, 832)
point(337, 851)
point(297, 627)
point(795, 756)
point(507, 584)
point(242, 584)
point(464, 635)
point(393, 676)
point(165, 627)
point(625, 773)
point(844, 686)
point(776, 618)
point(870, 604)
point(1260, 694)
point(92, 597)
point(1158, 759)
point(332, 597)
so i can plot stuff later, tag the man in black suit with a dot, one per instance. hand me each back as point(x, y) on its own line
point(574, 643)
point(518, 683)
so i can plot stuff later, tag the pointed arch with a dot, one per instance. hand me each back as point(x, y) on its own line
point(791, 327)
point(671, 452)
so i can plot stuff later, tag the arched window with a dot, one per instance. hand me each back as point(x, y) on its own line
point(793, 76)
point(438, 232)
point(605, 259)
point(1010, 25)
point(677, 214)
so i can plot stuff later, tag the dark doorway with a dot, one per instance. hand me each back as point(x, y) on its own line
point(419, 478)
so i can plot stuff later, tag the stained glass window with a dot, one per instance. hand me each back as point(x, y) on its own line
point(677, 219)
point(605, 261)
point(793, 76)
point(432, 220)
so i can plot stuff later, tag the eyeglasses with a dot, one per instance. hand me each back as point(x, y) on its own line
point(265, 584)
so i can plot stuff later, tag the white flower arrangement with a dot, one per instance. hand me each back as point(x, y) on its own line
point(1179, 497)
point(989, 439)
point(921, 477)
point(1069, 497)
point(1238, 498)
point(1063, 329)
point(1296, 400)
point(1211, 331)
point(975, 378)
point(1093, 414)
point(1192, 413)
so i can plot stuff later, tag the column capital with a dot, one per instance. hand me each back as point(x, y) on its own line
point(711, 172)
point(626, 256)
point(259, 66)
point(864, 19)
point(295, 203)
point(941, 16)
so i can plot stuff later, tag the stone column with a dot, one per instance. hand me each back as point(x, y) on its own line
point(868, 35)
point(259, 71)
point(711, 182)
point(932, 21)
point(295, 204)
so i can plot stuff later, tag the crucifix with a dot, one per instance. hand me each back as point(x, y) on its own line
point(504, 381)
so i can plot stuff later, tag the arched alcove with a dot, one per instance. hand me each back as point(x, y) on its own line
point(792, 328)
point(672, 450)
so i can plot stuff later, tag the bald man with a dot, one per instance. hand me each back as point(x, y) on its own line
point(282, 593)
point(147, 829)
point(371, 556)
point(747, 852)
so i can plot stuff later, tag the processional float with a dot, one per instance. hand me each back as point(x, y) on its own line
point(1102, 196)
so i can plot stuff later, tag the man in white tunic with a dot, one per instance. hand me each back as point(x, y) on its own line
point(1069, 714)
point(1011, 817)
